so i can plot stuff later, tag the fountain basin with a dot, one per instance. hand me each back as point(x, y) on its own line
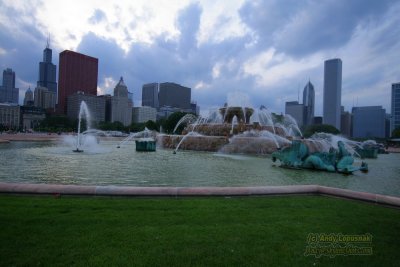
point(196, 143)
point(224, 129)
point(145, 145)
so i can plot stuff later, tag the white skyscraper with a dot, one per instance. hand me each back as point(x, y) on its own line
point(332, 92)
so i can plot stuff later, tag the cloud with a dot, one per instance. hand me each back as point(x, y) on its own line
point(265, 49)
point(188, 24)
point(98, 16)
point(303, 27)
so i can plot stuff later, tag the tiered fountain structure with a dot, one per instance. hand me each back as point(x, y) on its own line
point(240, 129)
point(234, 128)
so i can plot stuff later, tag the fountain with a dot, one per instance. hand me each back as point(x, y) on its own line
point(370, 149)
point(83, 111)
point(238, 128)
point(144, 140)
point(235, 128)
point(298, 156)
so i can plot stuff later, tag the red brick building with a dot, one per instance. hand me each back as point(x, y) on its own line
point(77, 72)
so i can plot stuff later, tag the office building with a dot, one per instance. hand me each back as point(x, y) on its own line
point(44, 98)
point(47, 71)
point(195, 108)
point(9, 116)
point(175, 96)
point(317, 120)
point(28, 100)
point(144, 114)
point(387, 125)
point(165, 112)
point(309, 103)
point(95, 104)
point(369, 122)
point(8, 92)
point(345, 123)
point(150, 95)
point(121, 104)
point(332, 92)
point(31, 117)
point(77, 72)
point(296, 110)
point(395, 107)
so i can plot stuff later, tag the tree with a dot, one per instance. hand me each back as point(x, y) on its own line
point(112, 126)
point(396, 133)
point(316, 128)
point(55, 123)
point(137, 127)
point(151, 125)
point(171, 122)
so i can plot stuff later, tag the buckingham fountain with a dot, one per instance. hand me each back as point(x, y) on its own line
point(231, 134)
point(238, 128)
point(241, 129)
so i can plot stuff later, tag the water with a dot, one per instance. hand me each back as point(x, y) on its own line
point(234, 122)
point(104, 164)
point(188, 118)
point(83, 111)
point(145, 134)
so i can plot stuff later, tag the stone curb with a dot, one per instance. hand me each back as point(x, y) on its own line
point(57, 189)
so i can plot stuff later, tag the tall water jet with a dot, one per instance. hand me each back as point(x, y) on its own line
point(188, 118)
point(234, 121)
point(291, 125)
point(263, 117)
point(83, 111)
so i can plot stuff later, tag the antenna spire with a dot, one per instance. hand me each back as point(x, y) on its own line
point(298, 94)
point(48, 41)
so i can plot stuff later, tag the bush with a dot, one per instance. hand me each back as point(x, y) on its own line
point(317, 128)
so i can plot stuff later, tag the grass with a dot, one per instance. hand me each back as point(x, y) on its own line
point(252, 231)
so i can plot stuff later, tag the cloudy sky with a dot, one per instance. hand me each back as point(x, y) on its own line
point(267, 50)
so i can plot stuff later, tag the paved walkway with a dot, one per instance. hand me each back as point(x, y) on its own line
point(56, 189)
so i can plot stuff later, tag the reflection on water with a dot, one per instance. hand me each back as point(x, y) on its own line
point(46, 162)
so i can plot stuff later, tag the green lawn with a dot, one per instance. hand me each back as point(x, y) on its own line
point(248, 231)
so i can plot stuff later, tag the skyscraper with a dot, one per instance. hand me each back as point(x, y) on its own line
point(47, 71)
point(77, 72)
point(28, 100)
point(150, 95)
point(174, 95)
point(44, 98)
point(369, 122)
point(121, 105)
point(296, 110)
point(8, 92)
point(309, 103)
point(332, 92)
point(395, 123)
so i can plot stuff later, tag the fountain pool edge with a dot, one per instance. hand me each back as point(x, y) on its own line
point(57, 189)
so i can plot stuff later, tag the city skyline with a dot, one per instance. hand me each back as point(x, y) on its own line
point(265, 49)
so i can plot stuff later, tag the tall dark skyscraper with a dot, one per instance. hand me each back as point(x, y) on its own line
point(77, 72)
point(174, 95)
point(150, 95)
point(47, 71)
point(309, 103)
point(332, 92)
point(395, 107)
point(8, 92)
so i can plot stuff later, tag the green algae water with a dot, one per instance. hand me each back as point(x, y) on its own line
point(105, 164)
